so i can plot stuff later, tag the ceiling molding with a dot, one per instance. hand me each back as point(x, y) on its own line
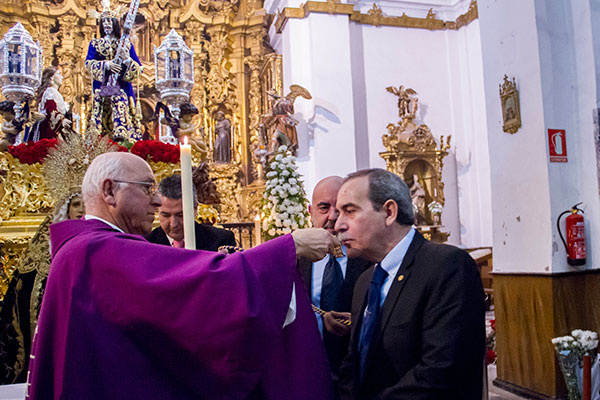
point(375, 16)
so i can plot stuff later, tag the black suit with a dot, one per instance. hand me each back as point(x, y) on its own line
point(429, 340)
point(207, 237)
point(336, 346)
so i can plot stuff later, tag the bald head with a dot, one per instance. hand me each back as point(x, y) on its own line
point(119, 188)
point(322, 209)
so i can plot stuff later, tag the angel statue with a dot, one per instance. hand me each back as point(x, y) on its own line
point(281, 118)
point(184, 126)
point(407, 105)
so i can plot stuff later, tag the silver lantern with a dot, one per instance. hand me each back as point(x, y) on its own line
point(20, 65)
point(174, 65)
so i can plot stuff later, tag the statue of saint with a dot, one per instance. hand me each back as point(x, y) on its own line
point(417, 193)
point(222, 150)
point(51, 108)
point(113, 115)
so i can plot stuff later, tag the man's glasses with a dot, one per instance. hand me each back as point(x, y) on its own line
point(151, 187)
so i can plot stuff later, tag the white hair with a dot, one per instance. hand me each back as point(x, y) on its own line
point(105, 166)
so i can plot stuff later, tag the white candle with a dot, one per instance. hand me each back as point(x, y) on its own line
point(257, 234)
point(187, 195)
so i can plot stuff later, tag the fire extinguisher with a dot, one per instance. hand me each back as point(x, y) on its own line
point(575, 244)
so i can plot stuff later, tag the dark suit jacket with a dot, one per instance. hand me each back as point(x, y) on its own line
point(430, 338)
point(207, 237)
point(336, 346)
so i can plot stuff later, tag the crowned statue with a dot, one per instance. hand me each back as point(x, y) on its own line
point(114, 110)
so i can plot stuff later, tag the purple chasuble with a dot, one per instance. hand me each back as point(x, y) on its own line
point(126, 319)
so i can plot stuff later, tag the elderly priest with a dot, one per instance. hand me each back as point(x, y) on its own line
point(126, 319)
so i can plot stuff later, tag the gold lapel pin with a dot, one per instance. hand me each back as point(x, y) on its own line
point(400, 278)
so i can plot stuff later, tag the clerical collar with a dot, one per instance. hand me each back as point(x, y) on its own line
point(88, 217)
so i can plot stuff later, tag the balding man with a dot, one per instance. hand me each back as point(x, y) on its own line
point(202, 326)
point(330, 281)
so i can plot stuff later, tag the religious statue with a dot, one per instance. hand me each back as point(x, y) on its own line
point(10, 127)
point(417, 193)
point(407, 103)
point(281, 119)
point(51, 108)
point(64, 169)
point(113, 113)
point(184, 126)
point(206, 190)
point(222, 151)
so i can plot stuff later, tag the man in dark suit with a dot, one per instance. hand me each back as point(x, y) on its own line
point(170, 217)
point(418, 315)
point(330, 281)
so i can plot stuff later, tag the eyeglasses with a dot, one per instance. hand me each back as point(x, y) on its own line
point(151, 187)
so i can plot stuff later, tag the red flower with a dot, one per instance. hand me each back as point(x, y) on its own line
point(490, 356)
point(493, 323)
point(156, 151)
point(32, 152)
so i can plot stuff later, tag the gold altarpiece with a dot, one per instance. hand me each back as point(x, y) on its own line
point(412, 153)
point(234, 67)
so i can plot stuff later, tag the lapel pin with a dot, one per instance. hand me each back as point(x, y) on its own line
point(400, 278)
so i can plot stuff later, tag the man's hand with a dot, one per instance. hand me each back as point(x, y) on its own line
point(331, 323)
point(314, 243)
point(66, 123)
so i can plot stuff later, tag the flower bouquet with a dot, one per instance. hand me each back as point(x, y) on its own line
point(284, 201)
point(570, 351)
point(156, 151)
point(32, 152)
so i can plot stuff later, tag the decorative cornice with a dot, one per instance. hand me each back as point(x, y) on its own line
point(375, 16)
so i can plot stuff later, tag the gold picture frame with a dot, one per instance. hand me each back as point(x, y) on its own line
point(511, 110)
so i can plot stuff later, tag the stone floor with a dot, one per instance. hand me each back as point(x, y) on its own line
point(495, 393)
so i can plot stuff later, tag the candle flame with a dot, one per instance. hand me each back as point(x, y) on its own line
point(257, 218)
point(185, 140)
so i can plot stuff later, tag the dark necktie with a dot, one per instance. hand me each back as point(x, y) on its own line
point(370, 317)
point(333, 279)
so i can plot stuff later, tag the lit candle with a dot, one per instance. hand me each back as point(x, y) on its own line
point(187, 195)
point(257, 235)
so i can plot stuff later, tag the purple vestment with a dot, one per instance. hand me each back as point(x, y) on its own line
point(126, 319)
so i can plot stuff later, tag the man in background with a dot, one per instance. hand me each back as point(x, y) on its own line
point(418, 315)
point(330, 281)
point(170, 217)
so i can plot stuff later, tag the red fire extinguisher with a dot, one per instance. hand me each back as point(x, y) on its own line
point(575, 244)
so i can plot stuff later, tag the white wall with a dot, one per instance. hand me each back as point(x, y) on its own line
point(547, 47)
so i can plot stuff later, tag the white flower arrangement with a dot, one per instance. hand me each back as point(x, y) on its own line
point(284, 201)
point(570, 351)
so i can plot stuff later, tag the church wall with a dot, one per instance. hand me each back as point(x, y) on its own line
point(569, 89)
point(445, 70)
point(320, 63)
point(347, 67)
point(521, 220)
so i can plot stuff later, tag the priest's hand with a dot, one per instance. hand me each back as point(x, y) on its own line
point(333, 325)
point(314, 243)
